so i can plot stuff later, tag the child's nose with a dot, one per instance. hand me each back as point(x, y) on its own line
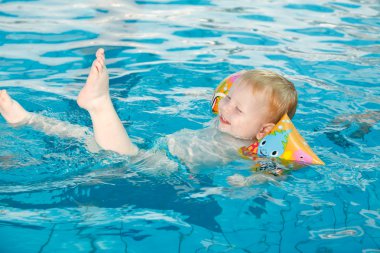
point(227, 108)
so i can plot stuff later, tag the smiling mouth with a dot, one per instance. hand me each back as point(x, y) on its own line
point(224, 121)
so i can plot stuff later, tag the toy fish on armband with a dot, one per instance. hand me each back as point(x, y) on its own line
point(281, 150)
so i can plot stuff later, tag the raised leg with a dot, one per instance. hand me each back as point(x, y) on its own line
point(109, 132)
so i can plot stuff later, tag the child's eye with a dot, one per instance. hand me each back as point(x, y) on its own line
point(228, 97)
point(238, 109)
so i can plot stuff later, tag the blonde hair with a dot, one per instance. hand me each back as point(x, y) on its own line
point(281, 92)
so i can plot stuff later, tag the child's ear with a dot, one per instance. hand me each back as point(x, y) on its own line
point(264, 130)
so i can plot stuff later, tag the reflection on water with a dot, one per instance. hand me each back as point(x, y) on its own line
point(338, 233)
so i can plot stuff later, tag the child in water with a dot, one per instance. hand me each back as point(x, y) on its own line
point(255, 103)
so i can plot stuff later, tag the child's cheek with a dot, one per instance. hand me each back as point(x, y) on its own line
point(221, 106)
point(243, 125)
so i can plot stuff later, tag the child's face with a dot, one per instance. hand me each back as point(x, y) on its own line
point(243, 113)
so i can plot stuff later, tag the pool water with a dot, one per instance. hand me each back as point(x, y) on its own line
point(165, 57)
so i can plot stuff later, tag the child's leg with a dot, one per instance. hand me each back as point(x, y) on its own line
point(12, 111)
point(16, 115)
point(95, 98)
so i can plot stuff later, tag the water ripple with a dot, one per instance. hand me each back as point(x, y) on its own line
point(165, 57)
point(338, 233)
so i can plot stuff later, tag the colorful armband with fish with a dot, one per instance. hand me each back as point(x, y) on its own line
point(283, 142)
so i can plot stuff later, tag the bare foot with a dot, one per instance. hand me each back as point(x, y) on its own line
point(96, 91)
point(12, 111)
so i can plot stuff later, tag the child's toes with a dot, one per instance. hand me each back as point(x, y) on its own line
point(101, 61)
point(101, 57)
point(94, 68)
point(98, 65)
point(3, 94)
point(100, 52)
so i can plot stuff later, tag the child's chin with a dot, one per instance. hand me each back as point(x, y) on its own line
point(225, 130)
point(222, 128)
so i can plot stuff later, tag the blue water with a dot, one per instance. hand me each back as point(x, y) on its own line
point(164, 59)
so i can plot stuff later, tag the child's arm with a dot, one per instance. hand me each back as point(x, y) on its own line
point(360, 123)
